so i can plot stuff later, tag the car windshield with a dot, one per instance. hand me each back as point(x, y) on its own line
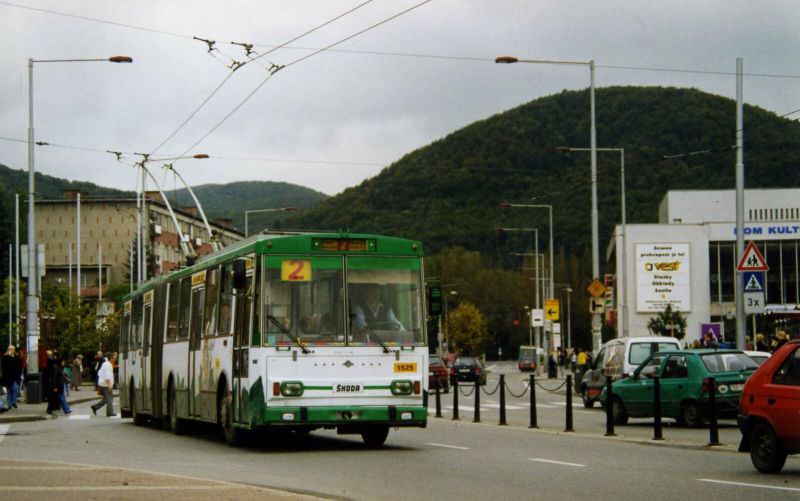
point(640, 351)
point(723, 362)
point(467, 362)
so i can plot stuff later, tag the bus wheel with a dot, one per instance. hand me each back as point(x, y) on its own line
point(176, 424)
point(233, 436)
point(375, 436)
point(138, 419)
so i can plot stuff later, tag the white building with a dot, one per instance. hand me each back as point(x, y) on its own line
point(688, 260)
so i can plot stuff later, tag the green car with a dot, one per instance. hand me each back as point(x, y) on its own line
point(684, 392)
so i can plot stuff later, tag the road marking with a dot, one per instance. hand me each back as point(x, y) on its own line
point(540, 460)
point(743, 484)
point(509, 407)
point(80, 416)
point(450, 446)
point(3, 431)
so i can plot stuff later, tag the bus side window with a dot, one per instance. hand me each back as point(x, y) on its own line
point(185, 304)
point(212, 301)
point(255, 291)
point(136, 325)
point(173, 309)
point(198, 305)
point(226, 300)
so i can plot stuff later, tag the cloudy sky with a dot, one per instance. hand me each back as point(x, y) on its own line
point(331, 119)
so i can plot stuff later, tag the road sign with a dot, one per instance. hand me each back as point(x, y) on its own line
point(754, 303)
point(752, 259)
point(537, 318)
point(551, 309)
point(596, 306)
point(753, 281)
point(596, 288)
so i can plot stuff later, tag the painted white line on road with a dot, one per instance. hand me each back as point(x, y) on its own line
point(509, 407)
point(743, 484)
point(562, 463)
point(3, 431)
point(80, 416)
point(450, 446)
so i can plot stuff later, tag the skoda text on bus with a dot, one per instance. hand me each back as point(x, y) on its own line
point(291, 331)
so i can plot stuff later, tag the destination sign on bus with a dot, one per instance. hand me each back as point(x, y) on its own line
point(343, 244)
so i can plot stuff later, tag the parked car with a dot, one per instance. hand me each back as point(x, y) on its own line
point(437, 370)
point(620, 357)
point(684, 385)
point(468, 369)
point(770, 406)
point(759, 356)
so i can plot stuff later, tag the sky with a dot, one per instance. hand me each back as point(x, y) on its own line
point(329, 119)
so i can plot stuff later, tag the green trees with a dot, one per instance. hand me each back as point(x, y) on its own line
point(668, 323)
point(466, 330)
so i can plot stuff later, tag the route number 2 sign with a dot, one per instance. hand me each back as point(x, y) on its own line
point(296, 270)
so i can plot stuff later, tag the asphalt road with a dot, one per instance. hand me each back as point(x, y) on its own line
point(448, 460)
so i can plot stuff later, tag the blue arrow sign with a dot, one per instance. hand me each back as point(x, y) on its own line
point(753, 281)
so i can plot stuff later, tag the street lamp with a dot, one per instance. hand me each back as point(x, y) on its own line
point(253, 211)
point(33, 394)
point(623, 303)
point(550, 224)
point(596, 320)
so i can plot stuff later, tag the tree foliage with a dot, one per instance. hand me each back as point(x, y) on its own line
point(668, 323)
point(466, 329)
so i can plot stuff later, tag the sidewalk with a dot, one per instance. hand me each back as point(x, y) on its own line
point(38, 412)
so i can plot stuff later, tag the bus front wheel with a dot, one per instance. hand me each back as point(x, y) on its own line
point(375, 436)
point(233, 436)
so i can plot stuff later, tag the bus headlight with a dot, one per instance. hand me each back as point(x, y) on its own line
point(401, 387)
point(292, 388)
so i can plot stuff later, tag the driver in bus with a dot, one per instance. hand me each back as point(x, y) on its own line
point(369, 312)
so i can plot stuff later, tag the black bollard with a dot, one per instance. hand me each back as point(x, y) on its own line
point(658, 433)
point(569, 404)
point(438, 397)
point(713, 429)
point(609, 408)
point(455, 399)
point(532, 389)
point(502, 400)
point(477, 418)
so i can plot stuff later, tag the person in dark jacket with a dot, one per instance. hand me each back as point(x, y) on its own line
point(54, 381)
point(11, 369)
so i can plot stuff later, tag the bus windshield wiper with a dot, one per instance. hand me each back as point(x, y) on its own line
point(277, 323)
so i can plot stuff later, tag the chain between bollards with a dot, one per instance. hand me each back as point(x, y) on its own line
point(713, 429)
point(502, 399)
point(438, 397)
point(534, 417)
point(455, 399)
point(568, 426)
point(477, 416)
point(609, 408)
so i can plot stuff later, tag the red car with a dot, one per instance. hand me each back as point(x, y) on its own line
point(437, 370)
point(770, 410)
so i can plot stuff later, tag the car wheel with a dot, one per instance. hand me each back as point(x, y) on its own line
point(766, 452)
point(690, 414)
point(619, 412)
point(375, 436)
point(587, 402)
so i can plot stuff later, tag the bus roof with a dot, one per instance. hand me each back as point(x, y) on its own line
point(278, 242)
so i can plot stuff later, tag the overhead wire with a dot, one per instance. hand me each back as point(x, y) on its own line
point(234, 68)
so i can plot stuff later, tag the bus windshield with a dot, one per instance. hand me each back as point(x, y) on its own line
point(384, 298)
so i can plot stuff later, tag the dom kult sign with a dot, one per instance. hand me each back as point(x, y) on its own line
point(663, 277)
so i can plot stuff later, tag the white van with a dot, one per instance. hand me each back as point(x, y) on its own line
point(620, 357)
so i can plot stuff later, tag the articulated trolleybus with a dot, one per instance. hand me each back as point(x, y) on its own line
point(287, 331)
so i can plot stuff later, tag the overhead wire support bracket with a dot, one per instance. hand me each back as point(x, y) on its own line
point(235, 65)
point(248, 47)
point(274, 68)
point(210, 43)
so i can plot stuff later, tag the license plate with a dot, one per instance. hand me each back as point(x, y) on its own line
point(405, 367)
point(431, 373)
point(464, 371)
point(737, 387)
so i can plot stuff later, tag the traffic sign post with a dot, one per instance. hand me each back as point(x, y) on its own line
point(752, 259)
point(752, 266)
point(551, 310)
point(754, 302)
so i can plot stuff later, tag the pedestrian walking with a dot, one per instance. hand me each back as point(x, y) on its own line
point(11, 370)
point(96, 364)
point(105, 381)
point(53, 384)
point(77, 373)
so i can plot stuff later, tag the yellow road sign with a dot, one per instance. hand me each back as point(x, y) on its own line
point(596, 288)
point(551, 308)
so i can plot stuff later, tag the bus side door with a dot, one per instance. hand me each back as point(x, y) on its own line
point(195, 337)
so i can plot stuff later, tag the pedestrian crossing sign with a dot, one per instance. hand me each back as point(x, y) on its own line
point(752, 259)
point(753, 281)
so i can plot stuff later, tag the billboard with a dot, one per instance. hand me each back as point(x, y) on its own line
point(663, 277)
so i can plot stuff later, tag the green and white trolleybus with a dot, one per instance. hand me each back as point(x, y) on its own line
point(289, 331)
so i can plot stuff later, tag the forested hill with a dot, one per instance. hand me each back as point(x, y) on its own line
point(448, 193)
point(219, 200)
